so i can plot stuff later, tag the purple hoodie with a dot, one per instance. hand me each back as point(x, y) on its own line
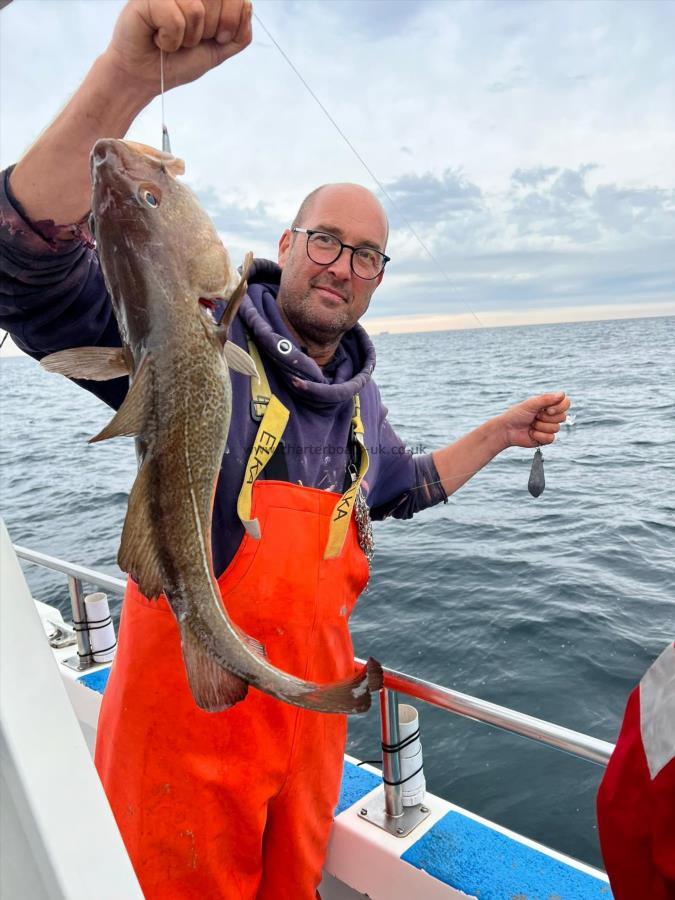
point(52, 296)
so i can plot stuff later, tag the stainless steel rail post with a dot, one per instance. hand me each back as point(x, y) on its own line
point(84, 658)
point(391, 762)
point(385, 809)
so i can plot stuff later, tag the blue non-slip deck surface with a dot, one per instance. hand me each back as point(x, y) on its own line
point(475, 859)
point(356, 783)
point(96, 680)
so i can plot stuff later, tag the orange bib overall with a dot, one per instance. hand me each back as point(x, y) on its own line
point(237, 804)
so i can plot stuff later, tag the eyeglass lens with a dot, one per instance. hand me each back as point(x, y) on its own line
point(325, 249)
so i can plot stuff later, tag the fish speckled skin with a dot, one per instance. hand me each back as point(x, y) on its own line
point(160, 254)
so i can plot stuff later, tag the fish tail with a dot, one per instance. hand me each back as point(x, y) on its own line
point(231, 650)
point(349, 696)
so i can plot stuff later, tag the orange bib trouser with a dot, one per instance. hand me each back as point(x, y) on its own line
point(237, 804)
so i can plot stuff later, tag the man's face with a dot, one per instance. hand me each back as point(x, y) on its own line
point(322, 302)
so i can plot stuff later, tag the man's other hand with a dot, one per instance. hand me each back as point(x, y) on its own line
point(535, 421)
point(196, 35)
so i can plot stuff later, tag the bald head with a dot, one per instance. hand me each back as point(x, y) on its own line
point(357, 201)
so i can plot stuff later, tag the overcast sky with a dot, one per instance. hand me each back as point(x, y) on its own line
point(530, 145)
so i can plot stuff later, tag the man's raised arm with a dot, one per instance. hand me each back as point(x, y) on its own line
point(52, 182)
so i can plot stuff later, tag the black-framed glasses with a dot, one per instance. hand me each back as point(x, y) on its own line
point(324, 249)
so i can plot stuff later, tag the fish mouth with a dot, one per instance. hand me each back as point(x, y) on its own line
point(209, 307)
point(130, 155)
point(106, 160)
point(212, 308)
point(111, 181)
point(121, 166)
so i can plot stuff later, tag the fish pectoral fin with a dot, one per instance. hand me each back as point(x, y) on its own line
point(235, 299)
point(90, 363)
point(239, 360)
point(138, 553)
point(133, 413)
point(212, 687)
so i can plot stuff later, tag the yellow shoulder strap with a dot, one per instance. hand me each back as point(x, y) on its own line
point(274, 417)
point(342, 512)
point(273, 423)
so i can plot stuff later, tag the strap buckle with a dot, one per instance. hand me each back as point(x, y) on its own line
point(258, 402)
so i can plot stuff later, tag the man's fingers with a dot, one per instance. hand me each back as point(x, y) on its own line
point(540, 437)
point(545, 417)
point(244, 33)
point(185, 23)
point(550, 407)
point(193, 14)
point(560, 408)
point(545, 427)
point(242, 36)
point(553, 398)
point(212, 18)
point(169, 21)
point(234, 14)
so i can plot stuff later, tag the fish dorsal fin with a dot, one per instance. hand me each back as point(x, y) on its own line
point(91, 363)
point(235, 298)
point(133, 413)
point(239, 360)
point(138, 553)
point(212, 687)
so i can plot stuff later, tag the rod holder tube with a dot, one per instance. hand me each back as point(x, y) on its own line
point(100, 628)
point(412, 771)
point(391, 762)
point(79, 614)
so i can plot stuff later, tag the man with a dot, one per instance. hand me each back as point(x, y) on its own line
point(237, 804)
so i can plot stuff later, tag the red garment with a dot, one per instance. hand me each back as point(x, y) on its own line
point(237, 804)
point(636, 800)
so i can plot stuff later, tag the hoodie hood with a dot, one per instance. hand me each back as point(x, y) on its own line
point(344, 376)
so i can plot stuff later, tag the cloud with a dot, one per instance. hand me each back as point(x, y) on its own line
point(515, 78)
point(534, 176)
point(529, 145)
point(255, 222)
point(554, 237)
point(560, 204)
point(375, 20)
point(649, 210)
point(427, 199)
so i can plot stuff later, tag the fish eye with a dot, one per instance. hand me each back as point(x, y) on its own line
point(149, 198)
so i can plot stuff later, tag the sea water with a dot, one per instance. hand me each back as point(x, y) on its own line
point(554, 607)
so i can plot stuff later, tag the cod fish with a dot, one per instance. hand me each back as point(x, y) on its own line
point(164, 264)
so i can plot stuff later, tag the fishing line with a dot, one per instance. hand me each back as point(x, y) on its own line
point(4, 339)
point(166, 143)
point(363, 162)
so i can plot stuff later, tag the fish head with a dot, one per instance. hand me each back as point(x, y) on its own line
point(129, 183)
point(154, 239)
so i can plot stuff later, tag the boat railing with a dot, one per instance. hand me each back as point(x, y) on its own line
point(395, 684)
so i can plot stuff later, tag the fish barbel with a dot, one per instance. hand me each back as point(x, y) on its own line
point(161, 256)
